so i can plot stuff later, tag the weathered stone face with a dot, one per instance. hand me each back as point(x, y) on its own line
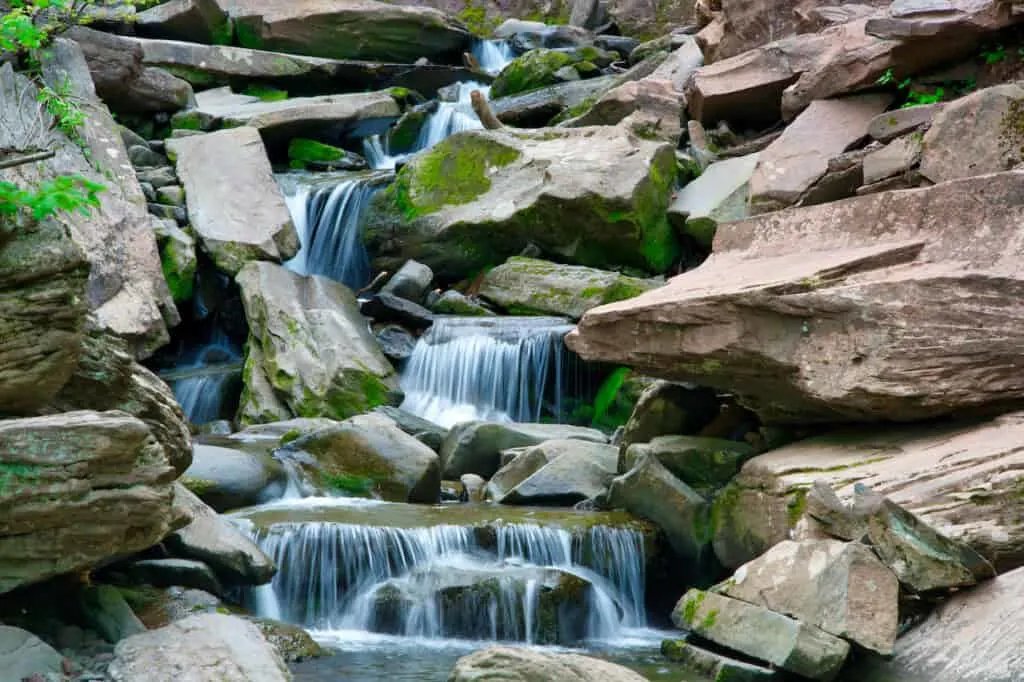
point(892, 306)
point(524, 665)
point(78, 488)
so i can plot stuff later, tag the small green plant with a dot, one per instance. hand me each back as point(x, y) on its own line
point(993, 54)
point(886, 78)
point(68, 117)
point(68, 193)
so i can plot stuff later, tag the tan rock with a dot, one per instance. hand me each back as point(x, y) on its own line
point(504, 664)
point(899, 156)
point(790, 165)
point(650, 108)
point(916, 19)
point(892, 124)
point(881, 307)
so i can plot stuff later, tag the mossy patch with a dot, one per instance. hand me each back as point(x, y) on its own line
point(178, 262)
point(532, 71)
point(304, 150)
point(266, 93)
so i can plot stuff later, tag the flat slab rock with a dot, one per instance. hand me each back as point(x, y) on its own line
point(892, 306)
point(504, 664)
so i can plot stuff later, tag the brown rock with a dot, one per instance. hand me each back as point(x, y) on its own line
point(899, 156)
point(892, 306)
point(196, 21)
point(916, 19)
point(977, 134)
point(892, 124)
point(799, 157)
point(650, 108)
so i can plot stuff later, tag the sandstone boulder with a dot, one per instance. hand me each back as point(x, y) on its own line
point(841, 312)
point(649, 108)
point(229, 648)
point(762, 634)
point(680, 66)
point(593, 196)
point(895, 158)
point(503, 664)
point(529, 286)
point(369, 453)
point(78, 488)
point(720, 194)
point(352, 29)
point(791, 165)
point(475, 447)
point(195, 21)
point(914, 20)
point(234, 203)
point(580, 471)
point(892, 124)
point(312, 347)
point(228, 478)
point(839, 587)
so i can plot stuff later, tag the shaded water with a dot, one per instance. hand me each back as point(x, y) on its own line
point(206, 382)
point(500, 369)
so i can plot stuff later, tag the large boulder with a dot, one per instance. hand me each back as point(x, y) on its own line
point(846, 311)
point(790, 166)
point(204, 648)
point(529, 286)
point(351, 29)
point(581, 471)
point(77, 489)
point(975, 135)
point(966, 497)
point(649, 108)
point(234, 204)
point(126, 290)
point(280, 120)
point(475, 447)
point(371, 454)
point(556, 102)
point(840, 587)
point(315, 349)
point(762, 634)
point(121, 78)
point(976, 636)
point(213, 540)
point(229, 478)
point(939, 19)
point(666, 408)
point(593, 196)
point(195, 21)
point(503, 664)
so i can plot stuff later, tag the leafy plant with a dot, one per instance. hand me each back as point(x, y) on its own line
point(993, 54)
point(68, 116)
point(63, 193)
point(886, 78)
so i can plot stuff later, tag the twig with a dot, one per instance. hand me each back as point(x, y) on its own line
point(29, 158)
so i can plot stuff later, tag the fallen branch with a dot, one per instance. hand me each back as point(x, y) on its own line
point(28, 158)
point(483, 111)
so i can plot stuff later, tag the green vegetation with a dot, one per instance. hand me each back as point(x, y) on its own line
point(606, 395)
point(535, 69)
point(354, 485)
point(474, 16)
point(266, 93)
point(305, 151)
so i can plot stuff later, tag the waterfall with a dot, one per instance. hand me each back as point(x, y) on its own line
point(328, 212)
point(493, 55)
point(513, 582)
point(206, 383)
point(499, 369)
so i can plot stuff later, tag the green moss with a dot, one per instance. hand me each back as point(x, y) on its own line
point(576, 110)
point(354, 485)
point(796, 507)
point(289, 436)
point(14, 476)
point(247, 34)
point(533, 70)
point(623, 289)
point(266, 93)
point(651, 202)
point(199, 486)
point(709, 619)
point(223, 33)
point(691, 607)
point(196, 77)
point(587, 69)
point(404, 134)
point(311, 151)
point(179, 267)
point(187, 120)
point(453, 172)
point(474, 16)
point(673, 649)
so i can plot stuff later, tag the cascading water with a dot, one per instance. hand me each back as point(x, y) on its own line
point(514, 582)
point(493, 55)
point(499, 369)
point(205, 383)
point(328, 210)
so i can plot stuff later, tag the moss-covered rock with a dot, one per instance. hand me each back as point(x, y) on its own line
point(594, 197)
point(539, 68)
point(306, 153)
point(177, 259)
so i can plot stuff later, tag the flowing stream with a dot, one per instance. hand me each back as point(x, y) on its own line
point(206, 383)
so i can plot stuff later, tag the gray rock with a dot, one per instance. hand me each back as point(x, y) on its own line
point(371, 451)
point(839, 587)
point(286, 430)
point(533, 35)
point(761, 634)
point(580, 471)
point(473, 487)
point(411, 282)
point(178, 255)
point(79, 488)
point(311, 348)
point(196, 21)
point(566, 74)
point(104, 610)
point(454, 303)
point(395, 342)
point(666, 408)
point(227, 478)
point(651, 491)
point(475, 447)
point(504, 664)
point(539, 286)
point(208, 538)
point(23, 655)
point(157, 177)
point(538, 107)
point(148, 191)
point(680, 66)
point(519, 464)
point(892, 124)
point(292, 642)
point(216, 170)
point(427, 432)
point(714, 666)
point(131, 138)
point(144, 157)
point(385, 307)
point(163, 212)
point(589, 14)
point(704, 464)
point(649, 108)
point(175, 572)
point(173, 195)
point(719, 195)
point(230, 649)
point(621, 44)
point(897, 157)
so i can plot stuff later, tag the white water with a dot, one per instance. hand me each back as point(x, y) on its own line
point(498, 369)
point(355, 582)
point(328, 211)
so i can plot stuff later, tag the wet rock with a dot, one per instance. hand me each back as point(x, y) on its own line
point(839, 587)
point(720, 194)
point(232, 649)
point(208, 538)
point(371, 454)
point(144, 157)
point(680, 65)
point(175, 572)
point(474, 447)
point(650, 108)
point(704, 464)
point(892, 124)
point(538, 107)
point(473, 487)
point(385, 307)
point(79, 488)
point(980, 133)
point(806, 303)
point(536, 69)
point(105, 610)
point(575, 471)
point(292, 643)
point(312, 348)
point(426, 432)
point(23, 655)
point(534, 35)
point(761, 634)
point(528, 665)
point(157, 177)
point(219, 169)
point(228, 478)
point(666, 408)
point(353, 30)
point(396, 343)
point(523, 463)
point(606, 189)
point(533, 286)
point(790, 165)
point(195, 21)
point(411, 282)
point(454, 303)
point(177, 258)
point(283, 431)
point(651, 491)
point(712, 665)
